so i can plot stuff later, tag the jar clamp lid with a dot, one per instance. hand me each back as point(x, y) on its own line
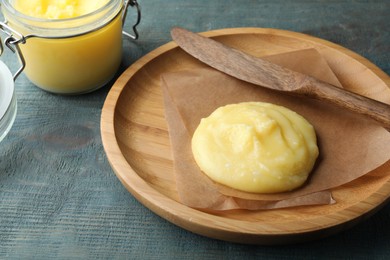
point(14, 38)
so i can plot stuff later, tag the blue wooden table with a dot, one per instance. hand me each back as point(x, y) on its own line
point(59, 197)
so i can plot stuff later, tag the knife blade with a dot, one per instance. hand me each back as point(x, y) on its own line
point(258, 71)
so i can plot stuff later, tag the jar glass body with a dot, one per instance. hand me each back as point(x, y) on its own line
point(7, 100)
point(70, 56)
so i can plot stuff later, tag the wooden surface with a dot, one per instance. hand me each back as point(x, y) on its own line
point(59, 197)
point(248, 68)
point(136, 140)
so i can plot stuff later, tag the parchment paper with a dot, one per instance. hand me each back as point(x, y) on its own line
point(350, 145)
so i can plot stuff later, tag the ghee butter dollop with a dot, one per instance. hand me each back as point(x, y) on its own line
point(58, 9)
point(255, 147)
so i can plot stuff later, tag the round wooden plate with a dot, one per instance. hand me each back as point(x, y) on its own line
point(136, 141)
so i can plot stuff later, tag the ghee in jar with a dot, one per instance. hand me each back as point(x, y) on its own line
point(255, 147)
point(76, 45)
point(58, 9)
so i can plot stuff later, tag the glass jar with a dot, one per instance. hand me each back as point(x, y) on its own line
point(7, 100)
point(72, 55)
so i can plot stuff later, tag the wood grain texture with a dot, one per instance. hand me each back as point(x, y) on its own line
point(59, 198)
point(261, 72)
point(135, 138)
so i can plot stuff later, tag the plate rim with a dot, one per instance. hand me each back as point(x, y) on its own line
point(198, 221)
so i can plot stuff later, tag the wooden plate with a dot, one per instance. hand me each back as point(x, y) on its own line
point(136, 140)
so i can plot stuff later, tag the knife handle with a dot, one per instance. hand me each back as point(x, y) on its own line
point(374, 109)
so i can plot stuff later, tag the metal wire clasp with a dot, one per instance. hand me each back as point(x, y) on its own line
point(12, 41)
point(132, 3)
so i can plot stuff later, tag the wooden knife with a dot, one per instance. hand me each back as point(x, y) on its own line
point(266, 74)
